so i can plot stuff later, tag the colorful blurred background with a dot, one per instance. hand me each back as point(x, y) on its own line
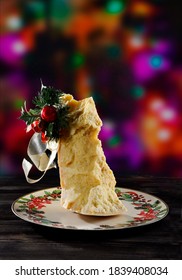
point(126, 54)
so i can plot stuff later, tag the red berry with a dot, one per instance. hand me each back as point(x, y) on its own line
point(48, 113)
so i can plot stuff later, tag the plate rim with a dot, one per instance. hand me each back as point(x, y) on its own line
point(91, 229)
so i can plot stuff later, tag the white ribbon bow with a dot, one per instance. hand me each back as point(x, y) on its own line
point(37, 152)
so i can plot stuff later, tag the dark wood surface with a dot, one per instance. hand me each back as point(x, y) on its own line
point(23, 240)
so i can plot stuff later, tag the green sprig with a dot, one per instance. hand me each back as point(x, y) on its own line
point(29, 116)
point(48, 96)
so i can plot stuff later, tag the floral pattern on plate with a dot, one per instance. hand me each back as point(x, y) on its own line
point(43, 207)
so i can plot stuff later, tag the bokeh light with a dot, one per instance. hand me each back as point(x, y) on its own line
point(114, 6)
point(156, 61)
point(138, 92)
point(13, 23)
point(125, 54)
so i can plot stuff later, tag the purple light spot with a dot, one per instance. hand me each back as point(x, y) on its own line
point(143, 69)
point(12, 48)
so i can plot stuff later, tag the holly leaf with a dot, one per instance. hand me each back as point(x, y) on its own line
point(27, 117)
point(57, 191)
point(126, 197)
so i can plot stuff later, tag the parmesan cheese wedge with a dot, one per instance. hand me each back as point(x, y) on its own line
point(88, 184)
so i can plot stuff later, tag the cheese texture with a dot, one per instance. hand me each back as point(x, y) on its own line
point(88, 184)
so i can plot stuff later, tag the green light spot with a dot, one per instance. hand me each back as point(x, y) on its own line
point(36, 9)
point(114, 7)
point(18, 103)
point(78, 60)
point(60, 10)
point(156, 61)
point(114, 141)
point(138, 92)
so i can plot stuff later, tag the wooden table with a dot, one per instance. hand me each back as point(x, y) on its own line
point(23, 240)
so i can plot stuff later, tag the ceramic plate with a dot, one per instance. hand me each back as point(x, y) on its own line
point(43, 208)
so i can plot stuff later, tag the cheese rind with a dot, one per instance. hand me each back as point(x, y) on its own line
point(88, 184)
